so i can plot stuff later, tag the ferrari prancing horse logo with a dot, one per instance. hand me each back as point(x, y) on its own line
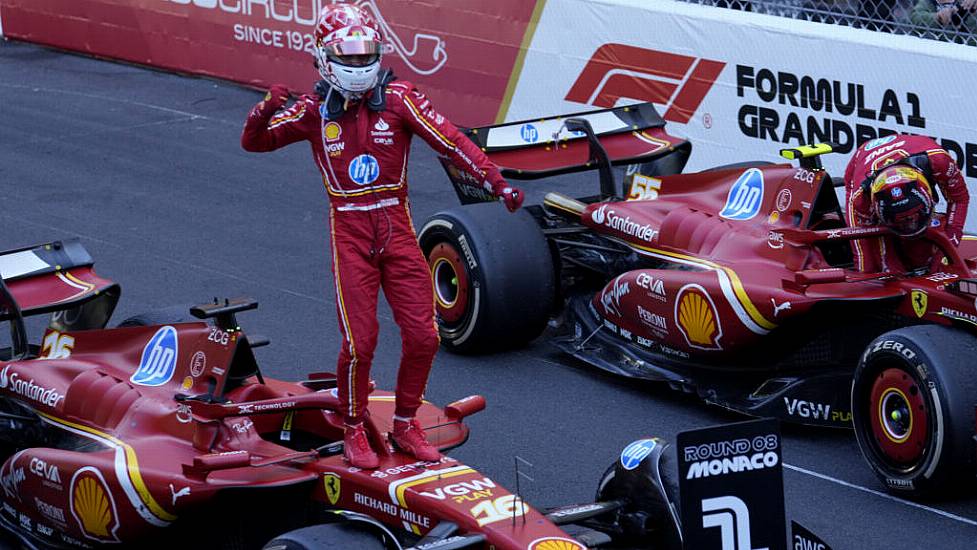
point(333, 487)
point(919, 299)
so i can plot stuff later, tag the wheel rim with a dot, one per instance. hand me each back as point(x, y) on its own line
point(451, 286)
point(899, 416)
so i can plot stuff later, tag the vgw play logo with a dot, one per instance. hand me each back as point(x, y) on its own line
point(745, 196)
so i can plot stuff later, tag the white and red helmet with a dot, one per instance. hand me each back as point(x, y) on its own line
point(347, 48)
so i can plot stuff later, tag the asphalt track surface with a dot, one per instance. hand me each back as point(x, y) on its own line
point(146, 168)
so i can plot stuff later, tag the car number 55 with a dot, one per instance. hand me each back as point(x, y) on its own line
point(644, 188)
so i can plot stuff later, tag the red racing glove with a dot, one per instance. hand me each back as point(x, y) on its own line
point(274, 100)
point(510, 196)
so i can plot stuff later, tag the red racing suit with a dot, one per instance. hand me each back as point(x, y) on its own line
point(890, 254)
point(362, 156)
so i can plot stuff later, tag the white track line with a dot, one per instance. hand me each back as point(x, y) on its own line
point(886, 496)
point(193, 116)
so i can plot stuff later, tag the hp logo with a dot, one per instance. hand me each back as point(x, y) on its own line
point(529, 133)
point(158, 361)
point(745, 196)
point(364, 170)
point(633, 454)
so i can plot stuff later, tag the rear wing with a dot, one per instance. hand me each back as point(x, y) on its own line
point(592, 140)
point(50, 277)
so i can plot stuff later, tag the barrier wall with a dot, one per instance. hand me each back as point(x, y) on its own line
point(739, 85)
point(461, 51)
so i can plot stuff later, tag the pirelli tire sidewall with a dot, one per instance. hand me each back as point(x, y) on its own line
point(508, 271)
point(938, 361)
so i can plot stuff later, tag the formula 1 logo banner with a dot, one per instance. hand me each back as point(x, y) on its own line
point(460, 53)
point(732, 487)
point(616, 71)
point(741, 86)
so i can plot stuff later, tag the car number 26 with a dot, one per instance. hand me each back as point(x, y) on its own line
point(219, 336)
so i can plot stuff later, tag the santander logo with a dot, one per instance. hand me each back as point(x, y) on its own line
point(599, 215)
point(618, 71)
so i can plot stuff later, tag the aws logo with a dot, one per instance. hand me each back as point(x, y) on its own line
point(617, 71)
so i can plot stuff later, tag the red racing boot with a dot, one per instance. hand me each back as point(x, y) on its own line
point(357, 449)
point(409, 437)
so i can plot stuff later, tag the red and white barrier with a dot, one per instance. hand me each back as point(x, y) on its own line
point(461, 53)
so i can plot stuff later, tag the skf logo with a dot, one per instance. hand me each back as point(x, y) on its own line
point(920, 300)
point(732, 517)
point(616, 71)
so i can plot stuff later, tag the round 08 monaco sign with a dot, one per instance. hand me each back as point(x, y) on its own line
point(732, 487)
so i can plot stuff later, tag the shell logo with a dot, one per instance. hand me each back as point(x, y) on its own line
point(333, 131)
point(92, 505)
point(697, 318)
point(556, 543)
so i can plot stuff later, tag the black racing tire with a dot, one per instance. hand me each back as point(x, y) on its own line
point(328, 535)
point(913, 398)
point(163, 316)
point(746, 164)
point(493, 274)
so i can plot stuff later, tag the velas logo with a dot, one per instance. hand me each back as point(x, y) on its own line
point(878, 142)
point(618, 71)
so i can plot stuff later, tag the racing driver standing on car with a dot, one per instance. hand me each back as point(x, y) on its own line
point(892, 181)
point(360, 123)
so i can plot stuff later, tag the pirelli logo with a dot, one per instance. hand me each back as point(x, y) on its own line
point(616, 71)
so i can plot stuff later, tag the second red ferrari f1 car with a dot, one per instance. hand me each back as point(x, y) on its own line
point(734, 283)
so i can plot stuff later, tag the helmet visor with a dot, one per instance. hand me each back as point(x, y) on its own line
point(911, 222)
point(354, 53)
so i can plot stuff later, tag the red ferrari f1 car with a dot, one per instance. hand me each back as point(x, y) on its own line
point(163, 432)
point(734, 283)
